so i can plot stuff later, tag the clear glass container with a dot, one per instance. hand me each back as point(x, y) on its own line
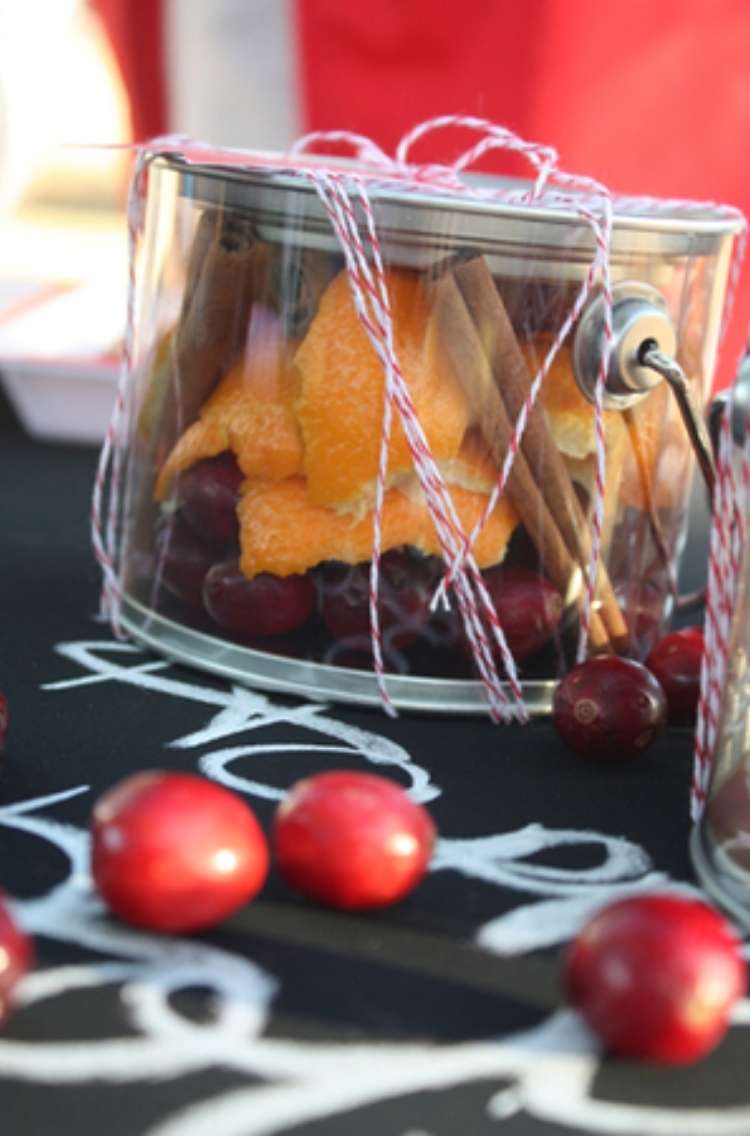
point(720, 841)
point(255, 421)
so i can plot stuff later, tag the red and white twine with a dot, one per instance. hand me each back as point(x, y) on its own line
point(727, 551)
point(346, 199)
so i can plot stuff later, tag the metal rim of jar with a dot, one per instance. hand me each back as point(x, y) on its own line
point(283, 197)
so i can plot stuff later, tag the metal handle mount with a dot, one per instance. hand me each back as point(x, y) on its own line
point(643, 353)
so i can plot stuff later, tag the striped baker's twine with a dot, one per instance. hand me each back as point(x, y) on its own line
point(370, 295)
point(494, 137)
point(727, 547)
point(544, 160)
point(436, 494)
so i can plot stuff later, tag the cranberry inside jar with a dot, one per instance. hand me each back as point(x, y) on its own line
point(207, 496)
point(262, 606)
point(405, 588)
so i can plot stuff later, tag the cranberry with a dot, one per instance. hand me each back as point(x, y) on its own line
point(352, 840)
point(174, 852)
point(655, 976)
point(676, 662)
point(16, 958)
point(208, 494)
point(3, 721)
point(406, 586)
point(182, 561)
point(609, 708)
point(265, 605)
point(528, 606)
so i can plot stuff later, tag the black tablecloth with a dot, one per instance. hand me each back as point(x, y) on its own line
point(441, 1015)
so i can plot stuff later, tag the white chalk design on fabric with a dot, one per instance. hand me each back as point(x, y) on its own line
point(576, 893)
point(240, 710)
point(552, 1066)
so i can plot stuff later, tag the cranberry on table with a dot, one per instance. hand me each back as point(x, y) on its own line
point(207, 495)
point(352, 840)
point(16, 958)
point(406, 586)
point(263, 605)
point(656, 976)
point(175, 852)
point(182, 560)
point(676, 662)
point(528, 606)
point(609, 709)
point(3, 722)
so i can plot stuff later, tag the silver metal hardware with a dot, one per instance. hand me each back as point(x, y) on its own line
point(639, 315)
point(642, 355)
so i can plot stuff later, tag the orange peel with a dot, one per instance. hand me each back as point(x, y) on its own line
point(283, 531)
point(249, 413)
point(340, 403)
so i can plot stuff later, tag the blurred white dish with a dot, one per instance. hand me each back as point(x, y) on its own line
point(59, 358)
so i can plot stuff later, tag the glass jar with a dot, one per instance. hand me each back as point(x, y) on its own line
point(255, 424)
point(720, 840)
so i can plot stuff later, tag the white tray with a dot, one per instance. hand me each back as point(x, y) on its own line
point(65, 401)
point(58, 358)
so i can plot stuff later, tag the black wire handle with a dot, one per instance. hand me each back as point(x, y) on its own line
point(664, 365)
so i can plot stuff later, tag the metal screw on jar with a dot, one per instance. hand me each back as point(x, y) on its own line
point(642, 354)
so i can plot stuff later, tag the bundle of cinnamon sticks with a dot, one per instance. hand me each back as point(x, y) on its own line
point(479, 338)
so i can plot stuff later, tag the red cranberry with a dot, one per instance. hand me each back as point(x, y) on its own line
point(406, 586)
point(16, 958)
point(352, 840)
point(3, 721)
point(609, 708)
point(676, 662)
point(656, 976)
point(528, 606)
point(208, 494)
point(182, 561)
point(265, 605)
point(175, 852)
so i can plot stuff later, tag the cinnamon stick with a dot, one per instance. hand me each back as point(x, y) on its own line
point(218, 293)
point(296, 285)
point(460, 339)
point(224, 265)
point(512, 378)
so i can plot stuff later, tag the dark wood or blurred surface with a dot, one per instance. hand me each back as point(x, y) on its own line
point(413, 981)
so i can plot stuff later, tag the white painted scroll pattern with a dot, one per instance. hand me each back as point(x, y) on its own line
point(552, 1066)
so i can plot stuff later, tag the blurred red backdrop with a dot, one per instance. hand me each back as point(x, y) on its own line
point(651, 98)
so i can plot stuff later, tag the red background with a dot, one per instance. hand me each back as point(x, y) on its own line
point(649, 96)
